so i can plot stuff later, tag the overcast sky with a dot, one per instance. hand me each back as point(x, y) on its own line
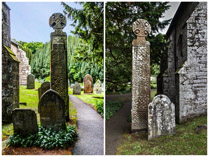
point(30, 20)
point(170, 14)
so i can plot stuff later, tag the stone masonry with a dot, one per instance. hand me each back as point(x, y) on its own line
point(24, 67)
point(140, 75)
point(10, 70)
point(59, 78)
point(184, 76)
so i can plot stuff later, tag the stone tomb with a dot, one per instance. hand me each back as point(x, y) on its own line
point(44, 87)
point(161, 117)
point(24, 122)
point(52, 111)
point(30, 81)
point(77, 89)
point(88, 83)
point(140, 75)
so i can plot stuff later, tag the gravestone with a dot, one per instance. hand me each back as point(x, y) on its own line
point(161, 117)
point(52, 111)
point(77, 89)
point(44, 87)
point(140, 75)
point(97, 87)
point(24, 122)
point(88, 82)
point(59, 78)
point(30, 81)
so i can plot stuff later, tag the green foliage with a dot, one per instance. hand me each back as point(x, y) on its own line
point(112, 108)
point(88, 23)
point(153, 85)
point(48, 79)
point(185, 141)
point(46, 138)
point(119, 36)
point(30, 48)
point(100, 108)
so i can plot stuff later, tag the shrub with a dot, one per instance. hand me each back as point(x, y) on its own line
point(112, 108)
point(100, 108)
point(46, 138)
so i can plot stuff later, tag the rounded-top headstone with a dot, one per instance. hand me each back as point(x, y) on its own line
point(44, 87)
point(161, 117)
point(88, 83)
point(57, 21)
point(52, 111)
point(30, 81)
point(76, 89)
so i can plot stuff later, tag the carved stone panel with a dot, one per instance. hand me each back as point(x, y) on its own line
point(161, 117)
point(59, 78)
point(77, 89)
point(88, 83)
point(30, 81)
point(97, 87)
point(52, 111)
point(44, 87)
point(140, 75)
point(24, 122)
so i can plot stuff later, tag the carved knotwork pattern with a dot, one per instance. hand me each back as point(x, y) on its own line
point(140, 85)
point(141, 27)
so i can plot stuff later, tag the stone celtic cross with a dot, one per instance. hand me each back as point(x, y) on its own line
point(140, 75)
point(58, 45)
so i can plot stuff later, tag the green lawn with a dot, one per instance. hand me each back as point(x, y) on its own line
point(30, 96)
point(185, 142)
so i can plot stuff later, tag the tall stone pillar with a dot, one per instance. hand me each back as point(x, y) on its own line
point(140, 75)
point(58, 44)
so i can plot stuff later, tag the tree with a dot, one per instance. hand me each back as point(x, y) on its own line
point(119, 36)
point(88, 23)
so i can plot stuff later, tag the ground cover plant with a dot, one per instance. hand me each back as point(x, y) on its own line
point(112, 107)
point(46, 138)
point(188, 140)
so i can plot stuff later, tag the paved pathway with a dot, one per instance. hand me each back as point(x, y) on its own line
point(116, 125)
point(90, 129)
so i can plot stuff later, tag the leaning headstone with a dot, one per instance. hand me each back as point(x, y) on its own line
point(30, 81)
point(44, 87)
point(52, 111)
point(140, 75)
point(24, 122)
point(88, 83)
point(97, 87)
point(161, 117)
point(58, 42)
point(77, 89)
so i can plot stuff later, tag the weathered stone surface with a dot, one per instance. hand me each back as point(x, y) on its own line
point(97, 87)
point(77, 89)
point(24, 67)
point(30, 81)
point(10, 70)
point(44, 87)
point(52, 111)
point(161, 117)
point(88, 83)
point(183, 74)
point(140, 75)
point(24, 122)
point(59, 78)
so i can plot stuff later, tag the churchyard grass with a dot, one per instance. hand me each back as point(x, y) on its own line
point(112, 107)
point(30, 96)
point(186, 141)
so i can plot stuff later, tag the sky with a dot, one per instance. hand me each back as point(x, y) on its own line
point(170, 14)
point(30, 20)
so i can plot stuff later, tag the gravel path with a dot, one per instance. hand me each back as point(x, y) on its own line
point(90, 129)
point(116, 125)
